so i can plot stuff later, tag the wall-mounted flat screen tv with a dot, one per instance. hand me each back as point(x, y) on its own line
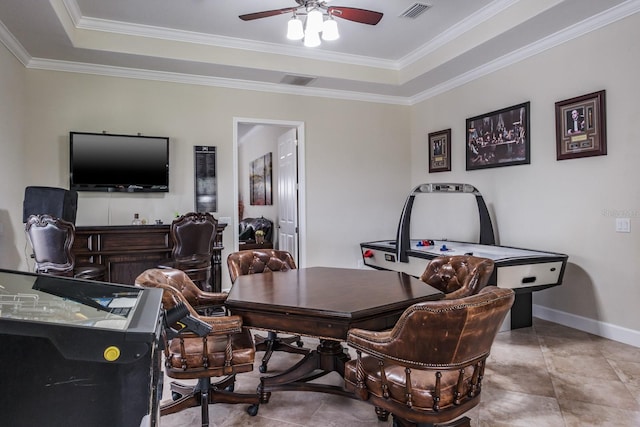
point(108, 162)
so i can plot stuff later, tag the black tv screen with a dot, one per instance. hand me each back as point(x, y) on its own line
point(107, 162)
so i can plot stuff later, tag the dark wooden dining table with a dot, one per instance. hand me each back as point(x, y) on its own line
point(324, 303)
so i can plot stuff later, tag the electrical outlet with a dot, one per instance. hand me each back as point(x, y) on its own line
point(623, 225)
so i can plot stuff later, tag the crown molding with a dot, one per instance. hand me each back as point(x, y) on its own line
point(14, 45)
point(456, 31)
point(610, 16)
point(111, 71)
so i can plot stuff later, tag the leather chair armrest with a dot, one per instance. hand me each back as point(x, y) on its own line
point(210, 298)
point(224, 324)
point(366, 341)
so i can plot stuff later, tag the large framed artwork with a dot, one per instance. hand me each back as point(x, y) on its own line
point(499, 138)
point(581, 129)
point(260, 180)
point(440, 151)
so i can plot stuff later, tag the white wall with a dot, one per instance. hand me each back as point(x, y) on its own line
point(350, 197)
point(563, 206)
point(12, 160)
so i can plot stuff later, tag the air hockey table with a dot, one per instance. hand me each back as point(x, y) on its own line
point(523, 270)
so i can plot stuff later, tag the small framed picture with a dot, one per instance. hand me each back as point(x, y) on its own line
point(499, 138)
point(440, 151)
point(581, 129)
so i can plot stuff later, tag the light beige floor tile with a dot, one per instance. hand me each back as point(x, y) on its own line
point(502, 408)
point(580, 414)
point(590, 367)
point(587, 389)
point(617, 350)
point(629, 372)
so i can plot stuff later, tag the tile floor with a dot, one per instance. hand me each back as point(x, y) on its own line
point(546, 375)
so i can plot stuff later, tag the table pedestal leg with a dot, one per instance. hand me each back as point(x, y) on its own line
point(328, 357)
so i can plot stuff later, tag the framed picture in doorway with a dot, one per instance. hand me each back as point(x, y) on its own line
point(499, 138)
point(440, 151)
point(581, 129)
point(260, 180)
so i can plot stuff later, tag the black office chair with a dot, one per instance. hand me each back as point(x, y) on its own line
point(51, 239)
point(193, 235)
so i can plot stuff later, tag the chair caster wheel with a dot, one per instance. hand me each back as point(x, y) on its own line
point(300, 344)
point(263, 368)
point(175, 395)
point(253, 410)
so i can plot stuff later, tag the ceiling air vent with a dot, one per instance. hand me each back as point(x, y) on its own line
point(415, 10)
point(291, 79)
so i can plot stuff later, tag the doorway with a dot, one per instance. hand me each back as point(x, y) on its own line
point(285, 141)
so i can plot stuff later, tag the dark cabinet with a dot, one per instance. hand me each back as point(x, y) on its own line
point(128, 250)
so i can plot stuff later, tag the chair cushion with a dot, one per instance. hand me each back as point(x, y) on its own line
point(422, 383)
point(242, 361)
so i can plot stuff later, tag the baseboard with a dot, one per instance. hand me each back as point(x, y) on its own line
point(595, 327)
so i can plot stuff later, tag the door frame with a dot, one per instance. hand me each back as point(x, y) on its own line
point(302, 234)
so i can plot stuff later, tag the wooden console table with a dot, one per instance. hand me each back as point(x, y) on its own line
point(128, 250)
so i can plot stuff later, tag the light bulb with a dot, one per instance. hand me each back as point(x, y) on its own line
point(311, 39)
point(294, 29)
point(314, 21)
point(330, 30)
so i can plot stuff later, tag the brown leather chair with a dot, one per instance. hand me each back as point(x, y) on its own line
point(51, 239)
point(193, 235)
point(429, 367)
point(226, 351)
point(203, 302)
point(266, 261)
point(458, 276)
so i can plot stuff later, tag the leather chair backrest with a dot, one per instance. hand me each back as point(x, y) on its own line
point(193, 235)
point(458, 276)
point(51, 239)
point(258, 261)
point(447, 332)
point(170, 281)
point(249, 226)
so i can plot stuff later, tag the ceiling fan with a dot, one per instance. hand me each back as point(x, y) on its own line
point(316, 24)
point(362, 16)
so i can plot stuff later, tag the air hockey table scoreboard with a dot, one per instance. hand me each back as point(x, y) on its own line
point(523, 270)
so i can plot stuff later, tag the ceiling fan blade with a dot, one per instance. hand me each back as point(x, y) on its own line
point(362, 16)
point(266, 13)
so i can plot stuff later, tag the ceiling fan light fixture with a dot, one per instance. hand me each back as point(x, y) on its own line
point(311, 38)
point(314, 21)
point(330, 30)
point(294, 29)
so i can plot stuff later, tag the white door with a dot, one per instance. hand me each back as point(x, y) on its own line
point(288, 193)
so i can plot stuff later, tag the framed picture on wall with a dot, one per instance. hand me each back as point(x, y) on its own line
point(260, 180)
point(206, 180)
point(499, 138)
point(581, 126)
point(440, 151)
